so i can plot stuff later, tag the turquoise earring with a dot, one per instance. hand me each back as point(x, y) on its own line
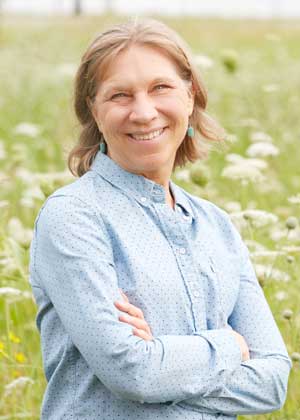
point(190, 131)
point(102, 147)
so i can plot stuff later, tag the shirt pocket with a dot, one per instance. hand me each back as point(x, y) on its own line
point(225, 281)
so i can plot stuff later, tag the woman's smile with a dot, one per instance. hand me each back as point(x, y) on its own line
point(149, 138)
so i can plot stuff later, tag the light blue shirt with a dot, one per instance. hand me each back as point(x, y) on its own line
point(189, 272)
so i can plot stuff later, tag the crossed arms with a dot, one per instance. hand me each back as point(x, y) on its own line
point(73, 263)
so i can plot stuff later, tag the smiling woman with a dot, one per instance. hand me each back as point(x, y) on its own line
point(163, 68)
point(142, 111)
point(148, 305)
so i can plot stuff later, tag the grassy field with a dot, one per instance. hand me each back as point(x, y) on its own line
point(252, 70)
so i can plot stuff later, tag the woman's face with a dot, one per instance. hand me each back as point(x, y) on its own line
point(142, 107)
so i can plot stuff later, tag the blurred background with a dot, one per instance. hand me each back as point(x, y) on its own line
point(227, 8)
point(249, 56)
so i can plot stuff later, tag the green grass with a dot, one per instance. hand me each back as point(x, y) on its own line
point(33, 89)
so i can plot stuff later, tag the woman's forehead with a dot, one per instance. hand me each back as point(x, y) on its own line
point(139, 62)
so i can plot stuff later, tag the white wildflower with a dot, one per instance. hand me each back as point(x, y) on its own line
point(231, 138)
point(183, 175)
point(3, 204)
point(203, 61)
point(27, 202)
point(281, 295)
point(279, 275)
point(25, 175)
point(239, 222)
point(10, 292)
point(234, 158)
point(254, 246)
point(291, 222)
point(291, 236)
point(295, 356)
point(272, 186)
point(17, 384)
point(267, 254)
point(294, 199)
point(4, 261)
point(18, 232)
point(28, 295)
point(232, 206)
point(276, 234)
point(255, 162)
point(260, 137)
point(243, 173)
point(258, 218)
point(291, 249)
point(287, 313)
point(262, 150)
point(27, 129)
point(270, 88)
point(268, 272)
point(33, 193)
point(294, 235)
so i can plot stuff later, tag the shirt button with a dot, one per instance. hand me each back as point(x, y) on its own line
point(143, 199)
point(158, 198)
point(182, 250)
point(196, 293)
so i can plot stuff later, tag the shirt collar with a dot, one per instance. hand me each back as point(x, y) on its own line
point(143, 189)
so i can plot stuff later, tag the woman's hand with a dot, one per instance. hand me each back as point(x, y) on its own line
point(243, 345)
point(134, 316)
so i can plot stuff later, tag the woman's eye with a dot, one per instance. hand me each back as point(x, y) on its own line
point(161, 87)
point(119, 95)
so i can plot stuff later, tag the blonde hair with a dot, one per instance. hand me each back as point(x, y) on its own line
point(98, 57)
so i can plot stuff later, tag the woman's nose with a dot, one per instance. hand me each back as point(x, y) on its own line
point(143, 109)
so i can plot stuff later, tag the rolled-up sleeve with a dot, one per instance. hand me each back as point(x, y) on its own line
point(72, 261)
point(258, 385)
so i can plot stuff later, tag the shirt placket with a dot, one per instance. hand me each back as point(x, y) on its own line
point(173, 225)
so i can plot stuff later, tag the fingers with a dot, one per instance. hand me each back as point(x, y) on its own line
point(129, 308)
point(124, 296)
point(135, 317)
point(142, 334)
point(135, 322)
point(243, 345)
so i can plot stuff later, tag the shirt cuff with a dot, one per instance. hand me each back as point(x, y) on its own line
point(229, 355)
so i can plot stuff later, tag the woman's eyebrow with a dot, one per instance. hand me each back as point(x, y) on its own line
point(113, 87)
point(128, 86)
point(163, 79)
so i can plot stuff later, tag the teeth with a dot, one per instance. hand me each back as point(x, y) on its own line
point(149, 136)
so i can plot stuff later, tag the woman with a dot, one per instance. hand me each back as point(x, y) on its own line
point(149, 307)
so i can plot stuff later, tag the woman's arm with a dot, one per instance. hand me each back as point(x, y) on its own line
point(258, 385)
point(72, 261)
